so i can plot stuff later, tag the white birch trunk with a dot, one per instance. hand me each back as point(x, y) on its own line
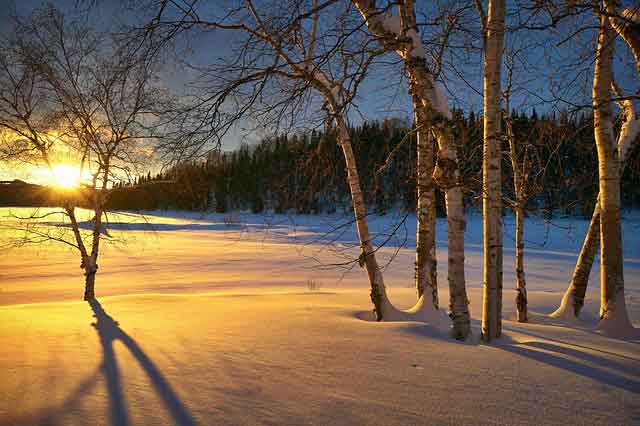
point(426, 265)
point(384, 310)
point(520, 195)
point(387, 30)
point(573, 299)
point(492, 192)
point(613, 315)
point(431, 112)
point(447, 176)
point(367, 258)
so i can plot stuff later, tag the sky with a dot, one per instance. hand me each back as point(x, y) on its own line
point(541, 72)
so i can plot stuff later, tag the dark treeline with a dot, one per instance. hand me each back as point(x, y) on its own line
point(305, 174)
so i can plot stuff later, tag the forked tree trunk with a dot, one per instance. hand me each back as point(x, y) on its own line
point(429, 106)
point(573, 299)
point(367, 256)
point(612, 305)
point(447, 176)
point(382, 26)
point(492, 191)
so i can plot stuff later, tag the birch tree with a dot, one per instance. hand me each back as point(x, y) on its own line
point(308, 50)
point(399, 34)
point(626, 27)
point(520, 170)
point(493, 34)
point(66, 87)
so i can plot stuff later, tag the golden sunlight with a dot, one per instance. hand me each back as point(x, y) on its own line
point(66, 176)
point(62, 176)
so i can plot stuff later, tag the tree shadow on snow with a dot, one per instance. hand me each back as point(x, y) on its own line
point(605, 367)
point(109, 332)
point(573, 359)
point(55, 416)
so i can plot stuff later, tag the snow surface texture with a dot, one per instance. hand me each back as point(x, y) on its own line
point(213, 323)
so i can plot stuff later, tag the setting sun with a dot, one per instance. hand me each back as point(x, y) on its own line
point(62, 176)
point(66, 176)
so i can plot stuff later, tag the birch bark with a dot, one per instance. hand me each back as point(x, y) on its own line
point(612, 306)
point(447, 176)
point(431, 114)
point(573, 299)
point(519, 176)
point(368, 257)
point(492, 191)
point(387, 29)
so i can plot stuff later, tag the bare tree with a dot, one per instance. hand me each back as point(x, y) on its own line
point(69, 88)
point(612, 156)
point(521, 162)
point(493, 34)
point(282, 50)
point(399, 34)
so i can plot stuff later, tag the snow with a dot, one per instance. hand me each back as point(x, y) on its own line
point(393, 24)
point(628, 133)
point(440, 101)
point(200, 322)
point(616, 323)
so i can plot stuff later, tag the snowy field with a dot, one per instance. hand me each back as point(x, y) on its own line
point(210, 320)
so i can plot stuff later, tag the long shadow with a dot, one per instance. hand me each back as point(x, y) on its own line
point(573, 344)
point(109, 331)
point(584, 363)
point(548, 353)
point(51, 416)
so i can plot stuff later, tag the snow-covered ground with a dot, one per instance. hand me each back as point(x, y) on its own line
point(210, 320)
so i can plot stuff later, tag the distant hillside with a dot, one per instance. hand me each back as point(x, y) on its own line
point(17, 193)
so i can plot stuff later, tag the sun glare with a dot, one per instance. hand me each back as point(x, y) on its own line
point(65, 176)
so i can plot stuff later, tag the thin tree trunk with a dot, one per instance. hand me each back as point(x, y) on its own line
point(447, 176)
point(573, 299)
point(422, 90)
point(426, 265)
point(367, 257)
point(521, 285)
point(612, 305)
point(519, 189)
point(492, 192)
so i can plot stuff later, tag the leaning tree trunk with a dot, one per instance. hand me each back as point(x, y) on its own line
point(367, 256)
point(612, 305)
point(492, 192)
point(573, 299)
point(447, 176)
point(411, 51)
